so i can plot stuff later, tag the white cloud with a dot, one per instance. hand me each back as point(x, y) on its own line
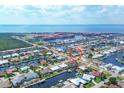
point(61, 14)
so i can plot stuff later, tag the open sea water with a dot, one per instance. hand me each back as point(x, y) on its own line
point(62, 28)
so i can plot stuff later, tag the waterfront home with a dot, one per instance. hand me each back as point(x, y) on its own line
point(3, 62)
point(78, 81)
point(45, 71)
point(17, 80)
point(54, 68)
point(97, 56)
point(109, 65)
point(117, 68)
point(4, 83)
point(30, 75)
point(63, 66)
point(88, 77)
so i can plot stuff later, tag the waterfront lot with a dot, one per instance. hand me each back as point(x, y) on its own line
point(7, 43)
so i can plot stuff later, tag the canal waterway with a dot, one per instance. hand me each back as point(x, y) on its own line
point(54, 80)
point(112, 59)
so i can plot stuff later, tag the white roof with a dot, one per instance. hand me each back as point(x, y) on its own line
point(82, 67)
point(3, 61)
point(59, 49)
point(88, 77)
point(122, 42)
point(25, 68)
point(118, 68)
point(49, 53)
point(97, 55)
point(15, 54)
point(107, 65)
point(62, 65)
point(59, 58)
point(36, 51)
point(77, 81)
point(54, 68)
point(6, 56)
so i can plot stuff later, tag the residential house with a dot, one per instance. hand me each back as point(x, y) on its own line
point(96, 73)
point(4, 83)
point(25, 68)
point(3, 62)
point(46, 70)
point(78, 81)
point(54, 68)
point(63, 66)
point(88, 77)
point(17, 80)
point(10, 71)
point(30, 75)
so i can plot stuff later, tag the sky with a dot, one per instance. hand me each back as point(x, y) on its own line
point(61, 14)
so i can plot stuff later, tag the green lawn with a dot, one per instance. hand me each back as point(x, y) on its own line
point(98, 79)
point(51, 75)
point(7, 43)
point(88, 85)
point(7, 76)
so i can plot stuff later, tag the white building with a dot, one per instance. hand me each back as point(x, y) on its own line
point(3, 61)
point(54, 68)
point(88, 77)
point(78, 81)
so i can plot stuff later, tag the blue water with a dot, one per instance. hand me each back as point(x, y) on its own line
point(112, 59)
point(53, 81)
point(62, 28)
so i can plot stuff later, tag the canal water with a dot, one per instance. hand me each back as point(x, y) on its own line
point(112, 59)
point(53, 81)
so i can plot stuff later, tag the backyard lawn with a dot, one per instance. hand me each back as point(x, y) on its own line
point(89, 85)
point(98, 79)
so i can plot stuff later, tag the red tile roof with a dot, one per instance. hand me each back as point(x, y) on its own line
point(10, 71)
point(96, 73)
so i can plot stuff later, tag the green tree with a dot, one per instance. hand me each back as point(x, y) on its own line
point(113, 80)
